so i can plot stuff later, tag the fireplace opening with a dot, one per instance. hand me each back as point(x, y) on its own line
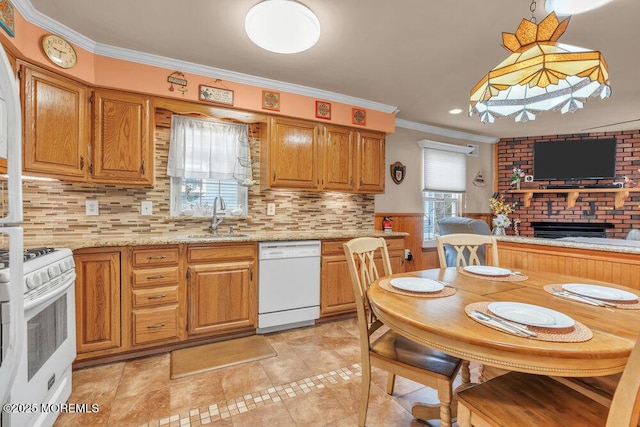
point(556, 230)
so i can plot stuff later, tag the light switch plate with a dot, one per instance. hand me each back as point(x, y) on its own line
point(146, 207)
point(271, 209)
point(92, 208)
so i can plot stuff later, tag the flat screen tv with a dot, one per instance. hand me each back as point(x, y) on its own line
point(572, 160)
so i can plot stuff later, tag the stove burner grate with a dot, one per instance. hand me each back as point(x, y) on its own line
point(28, 254)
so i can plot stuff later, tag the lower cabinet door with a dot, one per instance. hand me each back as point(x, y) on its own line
point(222, 297)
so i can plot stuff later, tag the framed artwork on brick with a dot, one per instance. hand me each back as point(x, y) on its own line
point(270, 100)
point(359, 116)
point(323, 110)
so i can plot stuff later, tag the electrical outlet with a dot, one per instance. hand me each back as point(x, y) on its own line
point(92, 208)
point(271, 209)
point(146, 207)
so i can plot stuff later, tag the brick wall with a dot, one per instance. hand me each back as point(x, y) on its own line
point(590, 207)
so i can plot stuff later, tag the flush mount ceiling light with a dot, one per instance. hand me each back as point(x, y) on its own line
point(539, 75)
point(572, 7)
point(282, 26)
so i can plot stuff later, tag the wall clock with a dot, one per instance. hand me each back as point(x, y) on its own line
point(59, 51)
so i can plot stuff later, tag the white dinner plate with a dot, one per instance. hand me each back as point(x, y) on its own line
point(416, 284)
point(531, 315)
point(487, 270)
point(599, 292)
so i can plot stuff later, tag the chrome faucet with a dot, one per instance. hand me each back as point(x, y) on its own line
point(215, 221)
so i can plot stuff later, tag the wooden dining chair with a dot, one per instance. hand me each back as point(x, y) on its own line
point(470, 249)
point(392, 352)
point(536, 400)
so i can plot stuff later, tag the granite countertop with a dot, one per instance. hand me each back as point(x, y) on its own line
point(591, 243)
point(188, 238)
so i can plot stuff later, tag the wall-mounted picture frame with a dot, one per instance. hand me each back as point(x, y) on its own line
point(359, 116)
point(323, 110)
point(215, 95)
point(270, 100)
point(7, 17)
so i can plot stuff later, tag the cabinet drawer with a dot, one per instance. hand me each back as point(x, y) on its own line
point(334, 247)
point(153, 325)
point(155, 296)
point(219, 253)
point(395, 244)
point(162, 256)
point(155, 276)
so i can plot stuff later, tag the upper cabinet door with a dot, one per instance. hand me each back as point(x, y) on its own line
point(370, 170)
point(293, 154)
point(338, 158)
point(122, 138)
point(56, 125)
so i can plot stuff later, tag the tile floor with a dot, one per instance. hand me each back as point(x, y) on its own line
point(313, 381)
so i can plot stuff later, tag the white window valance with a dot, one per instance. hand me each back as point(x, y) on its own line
point(206, 149)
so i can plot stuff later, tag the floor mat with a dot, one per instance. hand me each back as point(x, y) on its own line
point(193, 360)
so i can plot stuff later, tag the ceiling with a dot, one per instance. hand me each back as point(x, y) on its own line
point(421, 56)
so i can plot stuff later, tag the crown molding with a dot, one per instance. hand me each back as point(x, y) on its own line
point(35, 17)
point(450, 133)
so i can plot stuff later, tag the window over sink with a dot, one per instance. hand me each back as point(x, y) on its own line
point(208, 159)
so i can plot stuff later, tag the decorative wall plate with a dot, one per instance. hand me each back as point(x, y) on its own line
point(398, 172)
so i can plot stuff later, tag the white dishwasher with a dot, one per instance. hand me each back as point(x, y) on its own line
point(288, 284)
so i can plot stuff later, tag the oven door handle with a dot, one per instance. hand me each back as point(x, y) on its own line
point(54, 293)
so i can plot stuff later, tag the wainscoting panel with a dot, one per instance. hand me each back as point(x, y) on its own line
point(618, 268)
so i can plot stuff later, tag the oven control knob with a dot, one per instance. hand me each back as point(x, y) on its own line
point(33, 281)
point(54, 271)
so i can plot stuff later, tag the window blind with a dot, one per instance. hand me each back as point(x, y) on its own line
point(444, 171)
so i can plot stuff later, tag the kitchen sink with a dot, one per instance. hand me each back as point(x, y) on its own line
point(219, 236)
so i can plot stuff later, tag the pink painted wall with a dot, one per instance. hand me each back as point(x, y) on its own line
point(107, 72)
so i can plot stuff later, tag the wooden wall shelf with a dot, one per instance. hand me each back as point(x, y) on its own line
point(572, 194)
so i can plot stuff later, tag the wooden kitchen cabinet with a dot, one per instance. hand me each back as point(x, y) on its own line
point(291, 154)
point(310, 156)
point(222, 291)
point(156, 301)
point(57, 131)
point(98, 311)
point(122, 138)
point(370, 158)
point(336, 290)
point(56, 126)
point(338, 155)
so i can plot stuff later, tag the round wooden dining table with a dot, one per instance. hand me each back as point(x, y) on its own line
point(441, 323)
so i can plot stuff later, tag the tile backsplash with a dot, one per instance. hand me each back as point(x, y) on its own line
point(54, 211)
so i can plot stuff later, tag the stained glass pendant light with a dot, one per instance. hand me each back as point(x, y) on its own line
point(539, 75)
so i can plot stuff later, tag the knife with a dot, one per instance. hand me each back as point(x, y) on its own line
point(503, 325)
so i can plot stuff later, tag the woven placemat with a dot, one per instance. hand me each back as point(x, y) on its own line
point(509, 278)
point(577, 333)
point(445, 292)
point(631, 305)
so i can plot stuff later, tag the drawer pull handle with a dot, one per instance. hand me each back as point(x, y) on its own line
point(158, 277)
point(157, 297)
point(157, 326)
point(157, 257)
